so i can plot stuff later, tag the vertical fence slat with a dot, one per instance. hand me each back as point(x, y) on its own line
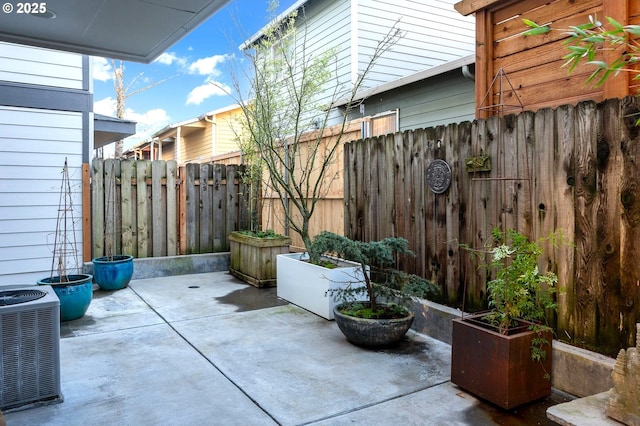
point(231, 213)
point(417, 225)
point(182, 210)
point(97, 206)
point(172, 208)
point(457, 149)
point(219, 207)
point(113, 212)
point(588, 288)
point(611, 170)
point(143, 208)
point(192, 209)
point(543, 173)
point(429, 206)
point(158, 209)
point(206, 208)
point(629, 299)
point(564, 183)
point(439, 252)
point(127, 208)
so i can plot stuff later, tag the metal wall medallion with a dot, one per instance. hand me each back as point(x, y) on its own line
point(438, 176)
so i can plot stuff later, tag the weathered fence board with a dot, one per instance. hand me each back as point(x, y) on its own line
point(143, 212)
point(172, 213)
point(128, 208)
point(575, 169)
point(152, 208)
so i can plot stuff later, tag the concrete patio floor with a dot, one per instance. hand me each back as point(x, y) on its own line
point(208, 349)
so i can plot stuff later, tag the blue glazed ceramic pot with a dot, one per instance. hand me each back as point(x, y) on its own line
point(113, 272)
point(75, 294)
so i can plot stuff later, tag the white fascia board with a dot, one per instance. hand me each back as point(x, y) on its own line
point(257, 36)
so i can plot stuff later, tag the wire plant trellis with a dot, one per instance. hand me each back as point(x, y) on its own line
point(111, 212)
point(502, 86)
point(65, 260)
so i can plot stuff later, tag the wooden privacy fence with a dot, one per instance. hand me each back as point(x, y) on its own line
point(573, 169)
point(184, 210)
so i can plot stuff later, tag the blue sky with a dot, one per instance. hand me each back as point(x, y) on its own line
point(206, 54)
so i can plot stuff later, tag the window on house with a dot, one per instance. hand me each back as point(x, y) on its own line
point(380, 124)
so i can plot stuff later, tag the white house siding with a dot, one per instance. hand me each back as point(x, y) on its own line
point(43, 67)
point(38, 130)
point(325, 25)
point(30, 190)
point(434, 33)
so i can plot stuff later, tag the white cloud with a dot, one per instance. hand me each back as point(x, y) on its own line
point(168, 58)
point(200, 93)
point(207, 66)
point(101, 69)
point(147, 123)
point(153, 117)
point(106, 106)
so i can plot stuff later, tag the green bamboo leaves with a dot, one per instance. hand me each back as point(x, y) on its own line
point(587, 40)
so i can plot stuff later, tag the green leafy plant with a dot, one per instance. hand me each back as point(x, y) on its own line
point(382, 281)
point(585, 41)
point(267, 233)
point(519, 290)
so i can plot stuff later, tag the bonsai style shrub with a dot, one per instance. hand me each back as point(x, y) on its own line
point(385, 288)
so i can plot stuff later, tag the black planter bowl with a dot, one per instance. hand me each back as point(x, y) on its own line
point(372, 332)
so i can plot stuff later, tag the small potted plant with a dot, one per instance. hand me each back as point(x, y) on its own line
point(372, 311)
point(504, 355)
point(253, 255)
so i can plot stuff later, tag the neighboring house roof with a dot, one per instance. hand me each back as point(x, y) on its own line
point(131, 30)
point(413, 78)
point(169, 132)
point(195, 122)
point(110, 129)
point(192, 122)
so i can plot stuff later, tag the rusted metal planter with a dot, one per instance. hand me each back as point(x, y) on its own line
point(253, 259)
point(497, 367)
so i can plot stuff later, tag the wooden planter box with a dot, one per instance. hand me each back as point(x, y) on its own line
point(253, 259)
point(496, 367)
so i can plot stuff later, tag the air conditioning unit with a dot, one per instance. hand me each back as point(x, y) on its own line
point(29, 347)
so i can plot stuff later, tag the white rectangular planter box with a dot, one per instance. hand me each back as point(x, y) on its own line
point(305, 284)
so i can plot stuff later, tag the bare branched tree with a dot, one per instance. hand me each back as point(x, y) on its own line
point(290, 114)
point(124, 92)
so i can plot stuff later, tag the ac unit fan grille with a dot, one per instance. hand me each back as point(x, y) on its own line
point(29, 356)
point(13, 297)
